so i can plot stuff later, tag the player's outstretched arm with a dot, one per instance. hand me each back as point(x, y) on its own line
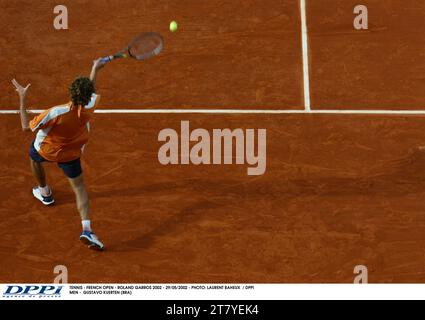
point(22, 111)
point(97, 65)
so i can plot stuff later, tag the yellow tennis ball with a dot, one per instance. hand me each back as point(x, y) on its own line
point(173, 26)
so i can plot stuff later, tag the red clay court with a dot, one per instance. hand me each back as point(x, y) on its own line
point(345, 183)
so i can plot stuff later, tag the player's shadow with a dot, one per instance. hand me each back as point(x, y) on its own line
point(66, 196)
point(396, 177)
point(184, 217)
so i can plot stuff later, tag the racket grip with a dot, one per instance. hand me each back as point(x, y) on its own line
point(107, 59)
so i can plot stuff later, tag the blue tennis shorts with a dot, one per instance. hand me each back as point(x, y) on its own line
point(72, 169)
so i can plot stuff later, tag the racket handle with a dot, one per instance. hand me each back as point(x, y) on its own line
point(115, 56)
point(107, 59)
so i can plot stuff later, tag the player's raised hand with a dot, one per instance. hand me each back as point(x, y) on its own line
point(98, 64)
point(22, 91)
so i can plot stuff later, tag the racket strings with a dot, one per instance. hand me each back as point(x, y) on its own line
point(146, 46)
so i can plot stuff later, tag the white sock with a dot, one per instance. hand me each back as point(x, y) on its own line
point(45, 191)
point(86, 225)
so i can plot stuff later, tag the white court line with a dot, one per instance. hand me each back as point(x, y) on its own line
point(242, 111)
point(304, 40)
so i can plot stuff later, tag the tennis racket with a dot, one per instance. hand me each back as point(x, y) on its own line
point(145, 46)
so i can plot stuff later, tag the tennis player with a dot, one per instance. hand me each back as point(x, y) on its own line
point(62, 133)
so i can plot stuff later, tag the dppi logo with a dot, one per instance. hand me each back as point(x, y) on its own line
point(32, 292)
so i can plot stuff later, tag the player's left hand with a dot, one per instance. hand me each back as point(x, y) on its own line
point(22, 91)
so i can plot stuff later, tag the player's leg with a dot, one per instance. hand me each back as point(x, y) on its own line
point(38, 173)
point(42, 192)
point(82, 199)
point(76, 179)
